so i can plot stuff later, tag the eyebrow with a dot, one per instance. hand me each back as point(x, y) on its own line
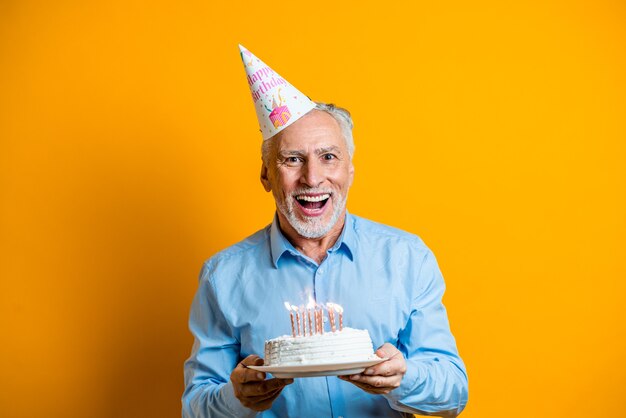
point(326, 150)
point(319, 151)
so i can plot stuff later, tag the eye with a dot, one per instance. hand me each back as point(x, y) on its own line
point(329, 157)
point(292, 161)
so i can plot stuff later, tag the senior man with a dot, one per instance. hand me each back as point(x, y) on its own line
point(387, 281)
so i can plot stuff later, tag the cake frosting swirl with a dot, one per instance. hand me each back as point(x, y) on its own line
point(345, 346)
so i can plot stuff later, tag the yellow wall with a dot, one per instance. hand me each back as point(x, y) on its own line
point(129, 153)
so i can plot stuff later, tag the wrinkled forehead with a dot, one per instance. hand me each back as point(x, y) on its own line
point(313, 132)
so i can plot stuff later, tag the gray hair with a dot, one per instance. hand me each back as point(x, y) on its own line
point(341, 115)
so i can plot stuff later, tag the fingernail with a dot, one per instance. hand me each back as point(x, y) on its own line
point(259, 376)
point(354, 377)
point(368, 372)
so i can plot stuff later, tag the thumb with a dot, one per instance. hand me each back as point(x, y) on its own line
point(252, 360)
point(386, 351)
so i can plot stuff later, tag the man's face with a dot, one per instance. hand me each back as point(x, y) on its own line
point(309, 174)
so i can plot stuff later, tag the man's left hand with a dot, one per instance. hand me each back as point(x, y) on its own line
point(383, 377)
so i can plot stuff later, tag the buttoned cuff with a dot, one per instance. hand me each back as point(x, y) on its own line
point(407, 386)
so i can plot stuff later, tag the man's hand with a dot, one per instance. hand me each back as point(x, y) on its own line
point(251, 388)
point(383, 377)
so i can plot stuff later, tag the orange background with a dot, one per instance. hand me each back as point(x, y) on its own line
point(129, 153)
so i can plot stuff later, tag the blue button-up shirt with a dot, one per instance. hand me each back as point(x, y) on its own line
point(387, 281)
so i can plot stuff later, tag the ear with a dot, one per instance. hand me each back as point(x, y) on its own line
point(351, 173)
point(265, 181)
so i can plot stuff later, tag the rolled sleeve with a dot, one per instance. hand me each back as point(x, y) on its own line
point(215, 353)
point(436, 380)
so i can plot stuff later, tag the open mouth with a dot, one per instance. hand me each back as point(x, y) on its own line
point(312, 202)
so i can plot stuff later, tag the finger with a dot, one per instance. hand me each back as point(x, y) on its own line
point(367, 388)
point(395, 365)
point(264, 387)
point(382, 369)
point(379, 382)
point(371, 389)
point(243, 374)
point(261, 403)
point(264, 397)
point(390, 367)
point(266, 403)
point(252, 376)
point(251, 392)
point(252, 360)
point(269, 395)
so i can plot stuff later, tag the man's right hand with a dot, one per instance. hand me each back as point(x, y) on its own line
point(251, 388)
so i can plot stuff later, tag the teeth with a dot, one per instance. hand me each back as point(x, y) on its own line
point(313, 198)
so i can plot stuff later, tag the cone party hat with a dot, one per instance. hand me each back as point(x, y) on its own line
point(278, 104)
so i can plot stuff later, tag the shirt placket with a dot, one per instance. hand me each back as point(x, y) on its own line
point(321, 285)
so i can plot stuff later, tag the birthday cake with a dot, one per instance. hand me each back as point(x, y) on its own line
point(345, 346)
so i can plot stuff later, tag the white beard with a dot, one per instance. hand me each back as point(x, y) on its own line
point(311, 227)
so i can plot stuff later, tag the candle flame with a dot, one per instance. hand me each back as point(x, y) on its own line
point(288, 306)
point(294, 308)
point(311, 303)
point(338, 308)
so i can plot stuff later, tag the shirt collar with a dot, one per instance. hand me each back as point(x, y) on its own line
point(279, 244)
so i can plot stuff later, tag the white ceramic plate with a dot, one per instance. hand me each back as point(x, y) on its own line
point(314, 370)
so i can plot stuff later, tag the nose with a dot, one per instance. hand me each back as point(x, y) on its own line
point(312, 173)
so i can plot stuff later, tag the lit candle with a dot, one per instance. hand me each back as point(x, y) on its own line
point(310, 306)
point(321, 321)
point(317, 322)
point(339, 309)
point(293, 329)
point(295, 308)
point(303, 322)
point(331, 315)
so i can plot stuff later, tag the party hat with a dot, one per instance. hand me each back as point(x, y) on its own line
point(278, 104)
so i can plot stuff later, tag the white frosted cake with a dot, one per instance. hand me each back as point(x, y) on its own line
point(345, 346)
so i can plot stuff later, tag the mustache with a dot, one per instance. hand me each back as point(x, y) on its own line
point(310, 191)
